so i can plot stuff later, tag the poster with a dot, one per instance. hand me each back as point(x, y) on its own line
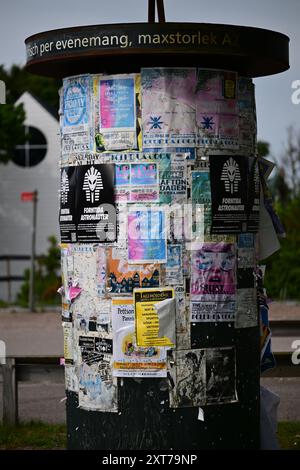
point(129, 359)
point(173, 179)
point(213, 282)
point(95, 204)
point(87, 207)
point(220, 376)
point(229, 193)
point(217, 109)
point(123, 277)
point(137, 182)
point(67, 213)
point(146, 236)
point(155, 313)
point(188, 378)
point(117, 113)
point(174, 266)
point(76, 120)
point(97, 388)
point(168, 107)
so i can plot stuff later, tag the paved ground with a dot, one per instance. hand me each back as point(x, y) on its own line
point(40, 334)
point(31, 334)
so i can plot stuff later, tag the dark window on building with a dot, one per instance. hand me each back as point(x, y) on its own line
point(33, 151)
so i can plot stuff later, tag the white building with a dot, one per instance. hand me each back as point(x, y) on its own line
point(35, 167)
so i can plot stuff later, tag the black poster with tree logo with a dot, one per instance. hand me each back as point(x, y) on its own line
point(87, 207)
point(67, 213)
point(229, 193)
point(95, 207)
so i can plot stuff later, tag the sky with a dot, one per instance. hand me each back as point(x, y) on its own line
point(275, 110)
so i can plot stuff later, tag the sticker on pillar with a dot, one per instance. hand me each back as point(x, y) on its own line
point(95, 205)
point(97, 388)
point(101, 271)
point(117, 113)
point(246, 314)
point(216, 109)
point(183, 326)
point(173, 178)
point(213, 283)
point(68, 342)
point(228, 179)
point(168, 107)
point(76, 121)
point(155, 313)
point(71, 379)
point(146, 236)
point(144, 182)
point(67, 213)
point(188, 378)
point(131, 360)
point(124, 277)
point(220, 376)
point(174, 266)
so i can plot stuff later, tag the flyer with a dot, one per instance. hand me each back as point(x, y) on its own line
point(188, 378)
point(183, 326)
point(122, 182)
point(77, 105)
point(129, 359)
point(97, 387)
point(155, 313)
point(146, 236)
point(123, 277)
point(174, 266)
point(201, 198)
point(117, 113)
point(247, 115)
point(173, 179)
point(246, 308)
point(67, 213)
point(217, 109)
point(168, 107)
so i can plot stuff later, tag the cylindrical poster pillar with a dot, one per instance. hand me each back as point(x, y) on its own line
point(159, 219)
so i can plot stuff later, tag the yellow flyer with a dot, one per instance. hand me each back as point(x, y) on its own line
point(155, 311)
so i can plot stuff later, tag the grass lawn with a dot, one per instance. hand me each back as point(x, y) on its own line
point(36, 435)
point(33, 435)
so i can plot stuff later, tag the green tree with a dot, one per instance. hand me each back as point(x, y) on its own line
point(12, 131)
point(47, 279)
point(18, 80)
point(12, 117)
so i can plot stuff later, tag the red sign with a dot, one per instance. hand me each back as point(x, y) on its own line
point(27, 196)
